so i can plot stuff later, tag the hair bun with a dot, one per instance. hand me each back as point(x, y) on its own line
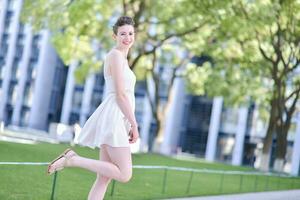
point(123, 20)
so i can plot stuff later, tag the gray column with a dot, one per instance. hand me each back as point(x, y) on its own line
point(174, 117)
point(213, 131)
point(67, 103)
point(42, 90)
point(13, 32)
point(296, 149)
point(86, 99)
point(237, 156)
point(22, 81)
point(3, 9)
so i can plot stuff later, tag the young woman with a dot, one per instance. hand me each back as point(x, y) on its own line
point(112, 127)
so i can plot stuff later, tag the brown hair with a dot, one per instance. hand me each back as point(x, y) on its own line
point(123, 20)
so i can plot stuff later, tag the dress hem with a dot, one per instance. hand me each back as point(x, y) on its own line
point(99, 146)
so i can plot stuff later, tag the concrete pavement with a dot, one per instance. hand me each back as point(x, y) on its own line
point(271, 195)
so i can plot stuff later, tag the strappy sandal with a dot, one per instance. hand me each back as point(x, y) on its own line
point(67, 154)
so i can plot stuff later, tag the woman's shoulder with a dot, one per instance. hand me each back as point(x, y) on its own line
point(114, 54)
point(114, 58)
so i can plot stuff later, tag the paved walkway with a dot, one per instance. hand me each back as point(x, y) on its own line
point(26, 136)
point(274, 195)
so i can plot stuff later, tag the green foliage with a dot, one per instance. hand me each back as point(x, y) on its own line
point(197, 77)
point(75, 25)
point(240, 71)
point(231, 32)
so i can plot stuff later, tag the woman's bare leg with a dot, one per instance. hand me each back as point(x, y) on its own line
point(120, 167)
point(99, 187)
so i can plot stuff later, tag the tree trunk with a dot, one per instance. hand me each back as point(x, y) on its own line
point(282, 134)
point(280, 150)
point(159, 135)
point(268, 140)
point(152, 135)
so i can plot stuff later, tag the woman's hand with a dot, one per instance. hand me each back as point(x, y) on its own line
point(133, 135)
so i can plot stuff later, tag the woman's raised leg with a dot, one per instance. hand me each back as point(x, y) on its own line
point(120, 167)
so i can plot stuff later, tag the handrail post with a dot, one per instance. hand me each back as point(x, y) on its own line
point(53, 186)
point(113, 187)
point(164, 181)
point(255, 183)
point(278, 182)
point(241, 182)
point(190, 182)
point(221, 183)
point(267, 184)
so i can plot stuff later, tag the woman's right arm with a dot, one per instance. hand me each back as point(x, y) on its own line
point(116, 66)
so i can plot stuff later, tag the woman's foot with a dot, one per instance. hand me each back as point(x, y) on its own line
point(61, 161)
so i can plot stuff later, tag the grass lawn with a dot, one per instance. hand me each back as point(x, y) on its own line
point(31, 182)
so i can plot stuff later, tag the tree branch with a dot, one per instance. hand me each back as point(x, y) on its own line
point(148, 21)
point(297, 91)
point(139, 13)
point(125, 7)
point(181, 64)
point(293, 107)
point(262, 50)
point(161, 42)
point(156, 82)
point(294, 66)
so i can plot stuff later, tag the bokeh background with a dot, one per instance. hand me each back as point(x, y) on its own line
point(217, 80)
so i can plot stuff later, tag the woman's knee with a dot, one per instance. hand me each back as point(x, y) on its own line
point(125, 177)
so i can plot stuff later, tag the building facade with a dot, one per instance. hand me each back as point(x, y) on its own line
point(32, 75)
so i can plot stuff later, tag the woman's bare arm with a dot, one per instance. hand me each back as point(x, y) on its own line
point(116, 66)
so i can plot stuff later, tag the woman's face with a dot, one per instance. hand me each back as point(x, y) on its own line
point(125, 36)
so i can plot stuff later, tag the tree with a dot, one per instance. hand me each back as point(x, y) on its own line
point(256, 51)
point(163, 29)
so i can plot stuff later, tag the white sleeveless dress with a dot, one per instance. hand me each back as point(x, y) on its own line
point(108, 125)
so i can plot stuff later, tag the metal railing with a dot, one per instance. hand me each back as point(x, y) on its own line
point(189, 183)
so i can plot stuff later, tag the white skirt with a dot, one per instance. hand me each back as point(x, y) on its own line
point(107, 125)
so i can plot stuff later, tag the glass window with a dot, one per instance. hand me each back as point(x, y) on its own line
point(3, 49)
point(11, 92)
point(21, 28)
point(5, 37)
point(24, 116)
point(9, 112)
point(2, 72)
point(11, 4)
point(229, 119)
point(19, 51)
point(31, 73)
point(139, 105)
point(96, 99)
point(53, 101)
point(2, 62)
point(99, 82)
point(21, 38)
point(35, 40)
point(9, 15)
point(77, 97)
point(14, 70)
point(74, 118)
point(28, 95)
